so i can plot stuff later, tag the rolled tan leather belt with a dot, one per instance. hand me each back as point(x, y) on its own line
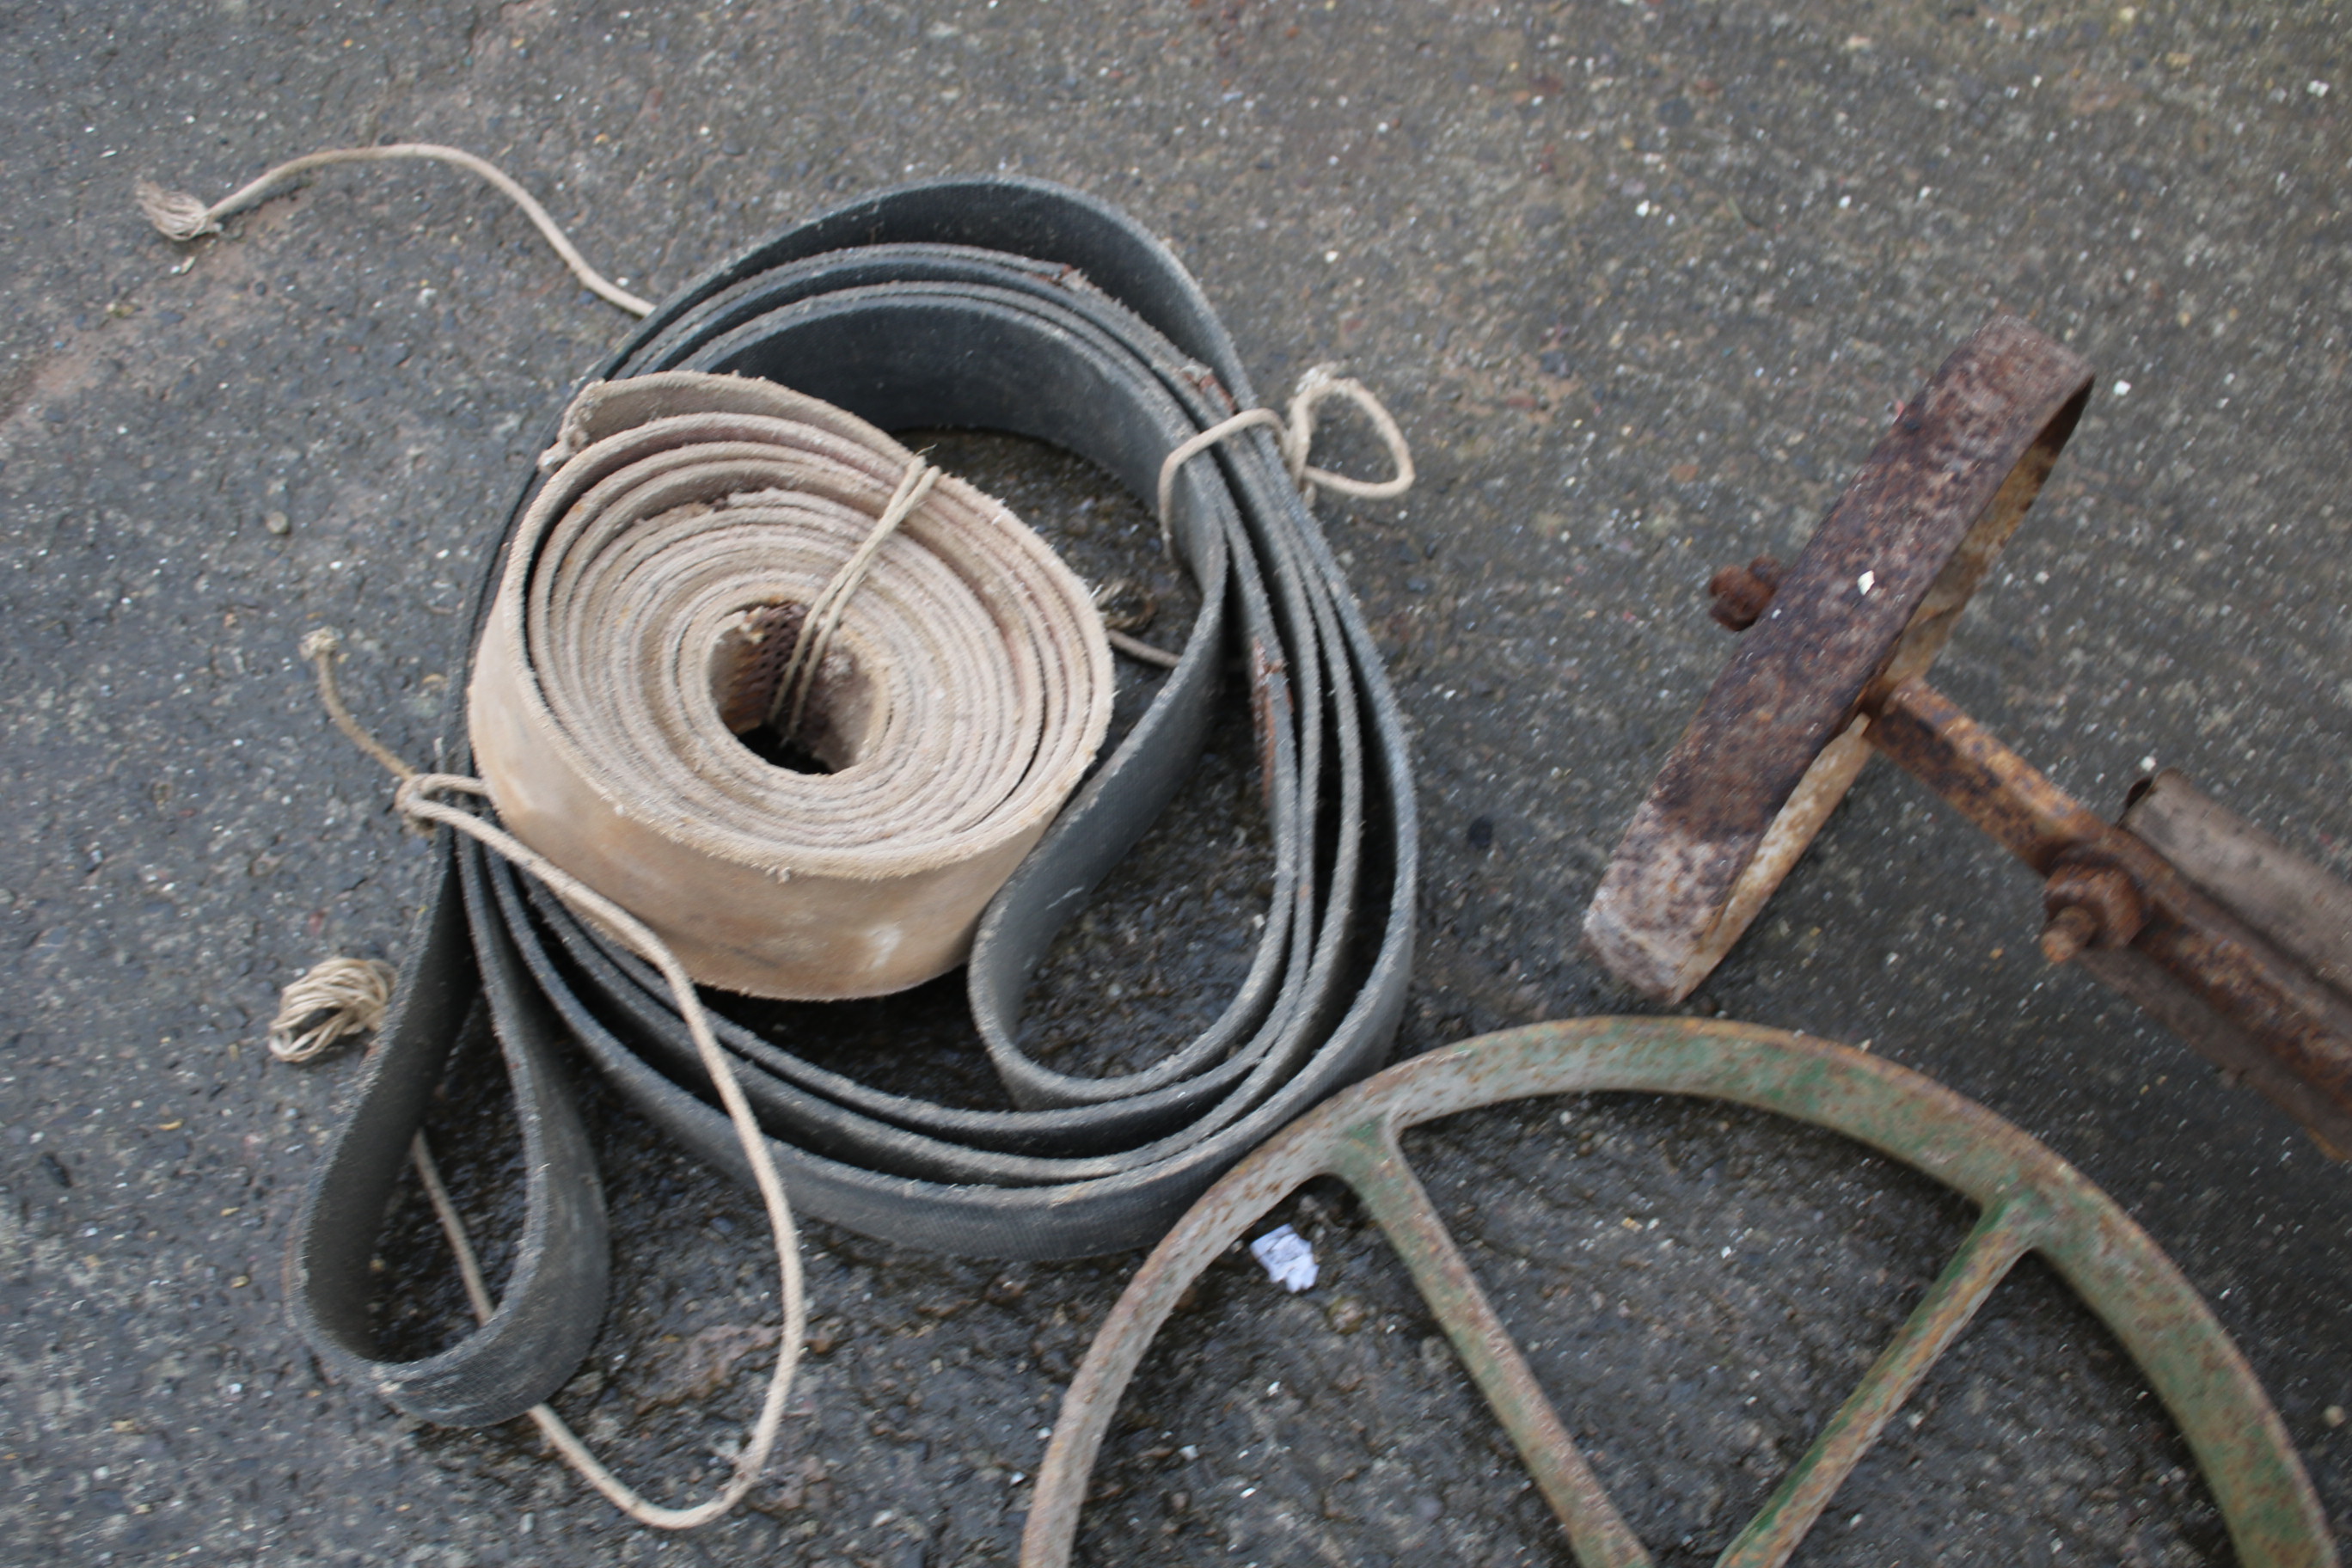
point(635, 639)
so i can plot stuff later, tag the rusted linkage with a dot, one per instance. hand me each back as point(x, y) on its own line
point(2216, 930)
point(2107, 892)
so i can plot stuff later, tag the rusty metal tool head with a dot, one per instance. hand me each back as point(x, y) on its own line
point(2031, 1202)
point(2225, 936)
point(1871, 601)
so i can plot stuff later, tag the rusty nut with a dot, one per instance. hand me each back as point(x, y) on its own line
point(1739, 595)
point(2089, 905)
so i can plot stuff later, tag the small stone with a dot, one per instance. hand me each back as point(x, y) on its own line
point(2333, 1416)
point(1482, 833)
point(277, 522)
point(1346, 1315)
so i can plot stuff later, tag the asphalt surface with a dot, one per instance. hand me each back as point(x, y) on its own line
point(1642, 284)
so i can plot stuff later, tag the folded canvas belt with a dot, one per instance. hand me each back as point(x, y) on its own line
point(994, 304)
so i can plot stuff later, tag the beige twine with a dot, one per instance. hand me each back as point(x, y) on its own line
point(1139, 650)
point(824, 617)
point(322, 648)
point(1116, 628)
point(1295, 437)
point(338, 997)
point(414, 800)
point(179, 216)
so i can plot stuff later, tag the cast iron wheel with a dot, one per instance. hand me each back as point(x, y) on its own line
point(2031, 1202)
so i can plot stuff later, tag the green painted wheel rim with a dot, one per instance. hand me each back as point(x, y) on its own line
point(2032, 1201)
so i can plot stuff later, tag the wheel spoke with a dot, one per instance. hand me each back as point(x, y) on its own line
point(1369, 1159)
point(2007, 1232)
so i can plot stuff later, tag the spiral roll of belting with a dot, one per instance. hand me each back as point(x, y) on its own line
point(653, 602)
point(997, 304)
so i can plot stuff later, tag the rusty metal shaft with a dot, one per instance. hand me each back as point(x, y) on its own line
point(1929, 738)
point(2109, 894)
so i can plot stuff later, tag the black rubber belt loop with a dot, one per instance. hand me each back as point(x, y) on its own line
point(998, 304)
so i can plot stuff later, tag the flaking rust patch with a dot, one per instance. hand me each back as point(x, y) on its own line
point(1269, 706)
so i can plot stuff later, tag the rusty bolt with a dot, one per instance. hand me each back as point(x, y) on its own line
point(2070, 931)
point(2089, 905)
point(1741, 594)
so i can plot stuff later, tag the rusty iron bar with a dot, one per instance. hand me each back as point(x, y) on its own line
point(2107, 890)
point(2031, 1201)
point(1928, 737)
point(2304, 909)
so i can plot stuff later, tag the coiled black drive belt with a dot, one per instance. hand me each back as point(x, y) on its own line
point(994, 304)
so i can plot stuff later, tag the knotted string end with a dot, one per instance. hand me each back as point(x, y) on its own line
point(175, 214)
point(338, 999)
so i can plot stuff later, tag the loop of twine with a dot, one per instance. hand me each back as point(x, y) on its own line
point(1295, 437)
point(415, 799)
point(338, 997)
point(368, 983)
point(179, 216)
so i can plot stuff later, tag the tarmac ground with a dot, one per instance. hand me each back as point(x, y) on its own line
point(1642, 282)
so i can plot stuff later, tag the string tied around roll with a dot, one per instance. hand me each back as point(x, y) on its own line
point(824, 617)
point(663, 617)
point(1294, 436)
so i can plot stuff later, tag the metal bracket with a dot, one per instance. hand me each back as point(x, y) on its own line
point(2031, 1202)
